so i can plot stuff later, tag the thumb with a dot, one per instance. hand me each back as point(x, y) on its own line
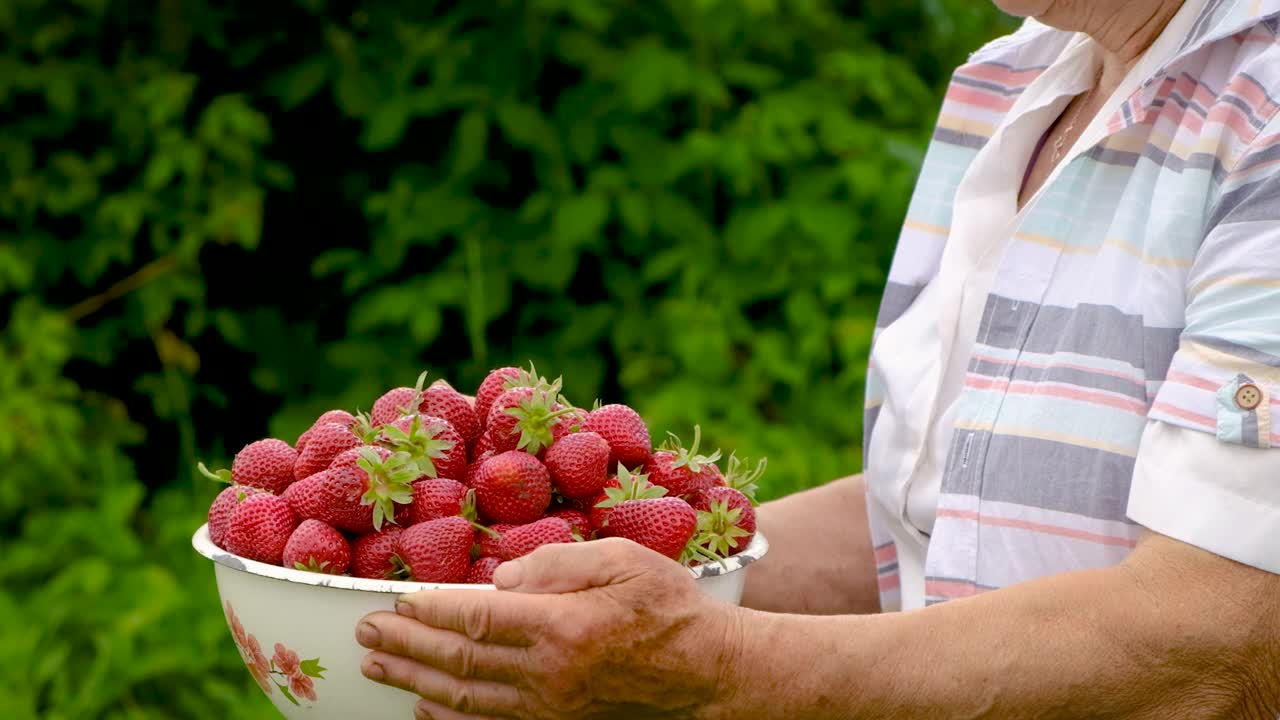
point(570, 567)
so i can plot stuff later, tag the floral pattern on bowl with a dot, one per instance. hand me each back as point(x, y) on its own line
point(294, 678)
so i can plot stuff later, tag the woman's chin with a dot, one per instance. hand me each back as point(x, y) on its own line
point(1024, 8)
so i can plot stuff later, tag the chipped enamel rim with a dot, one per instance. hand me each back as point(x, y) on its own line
point(203, 545)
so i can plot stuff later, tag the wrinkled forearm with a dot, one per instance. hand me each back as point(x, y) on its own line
point(1134, 641)
point(820, 560)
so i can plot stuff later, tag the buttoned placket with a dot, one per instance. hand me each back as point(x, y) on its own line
point(1017, 316)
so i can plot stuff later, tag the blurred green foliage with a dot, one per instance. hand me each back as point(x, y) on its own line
point(219, 219)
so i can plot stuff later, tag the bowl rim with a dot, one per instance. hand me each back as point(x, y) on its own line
point(203, 544)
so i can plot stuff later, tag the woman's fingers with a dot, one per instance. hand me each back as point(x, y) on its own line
point(465, 696)
point(446, 650)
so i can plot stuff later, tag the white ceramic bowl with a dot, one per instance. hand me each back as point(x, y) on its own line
point(296, 630)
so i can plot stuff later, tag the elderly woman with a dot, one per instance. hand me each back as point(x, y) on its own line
point(1069, 488)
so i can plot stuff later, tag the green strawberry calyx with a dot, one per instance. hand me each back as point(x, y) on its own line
point(635, 486)
point(524, 378)
point(471, 515)
point(720, 529)
point(422, 443)
point(390, 483)
point(537, 414)
point(399, 569)
point(742, 479)
point(412, 409)
point(689, 457)
point(363, 428)
point(312, 565)
point(221, 476)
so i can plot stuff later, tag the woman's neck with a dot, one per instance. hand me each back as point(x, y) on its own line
point(1124, 29)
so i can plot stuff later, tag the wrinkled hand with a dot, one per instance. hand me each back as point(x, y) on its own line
point(606, 629)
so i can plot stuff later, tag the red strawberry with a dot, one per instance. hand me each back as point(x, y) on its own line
point(220, 510)
point(522, 540)
point(266, 464)
point(482, 445)
point(524, 418)
point(436, 498)
point(350, 458)
point(432, 442)
point(601, 507)
point(570, 422)
point(726, 520)
point(497, 382)
point(682, 471)
point(579, 465)
point(625, 431)
point(323, 445)
point(386, 477)
point(260, 527)
point(488, 542)
point(664, 524)
point(438, 550)
point(620, 488)
point(332, 497)
point(374, 555)
point(359, 492)
point(513, 487)
point(481, 572)
point(717, 477)
point(317, 547)
point(341, 417)
point(395, 404)
point(579, 521)
point(501, 424)
point(443, 401)
point(474, 468)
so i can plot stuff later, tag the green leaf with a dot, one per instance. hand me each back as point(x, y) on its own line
point(312, 668)
point(525, 127)
point(357, 93)
point(159, 171)
point(752, 75)
point(752, 232)
point(580, 218)
point(830, 224)
point(284, 690)
point(636, 213)
point(299, 83)
point(469, 142)
point(385, 125)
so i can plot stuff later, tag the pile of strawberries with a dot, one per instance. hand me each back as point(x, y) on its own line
point(433, 486)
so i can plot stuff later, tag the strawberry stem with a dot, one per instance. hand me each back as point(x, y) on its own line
point(690, 457)
point(744, 481)
point(221, 476)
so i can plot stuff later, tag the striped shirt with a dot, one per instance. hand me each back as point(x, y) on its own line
point(1134, 311)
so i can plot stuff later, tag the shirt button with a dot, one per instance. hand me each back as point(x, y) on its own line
point(1248, 397)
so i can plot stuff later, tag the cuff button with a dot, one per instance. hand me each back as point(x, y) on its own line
point(1248, 397)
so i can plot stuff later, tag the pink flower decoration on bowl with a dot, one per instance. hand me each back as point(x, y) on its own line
point(303, 686)
point(286, 660)
point(294, 677)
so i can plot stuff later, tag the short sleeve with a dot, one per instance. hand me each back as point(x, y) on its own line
point(1225, 377)
point(1208, 465)
point(1219, 497)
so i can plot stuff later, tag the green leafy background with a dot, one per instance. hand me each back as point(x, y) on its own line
point(218, 220)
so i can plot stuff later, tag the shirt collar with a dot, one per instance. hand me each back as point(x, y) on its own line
point(1218, 19)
